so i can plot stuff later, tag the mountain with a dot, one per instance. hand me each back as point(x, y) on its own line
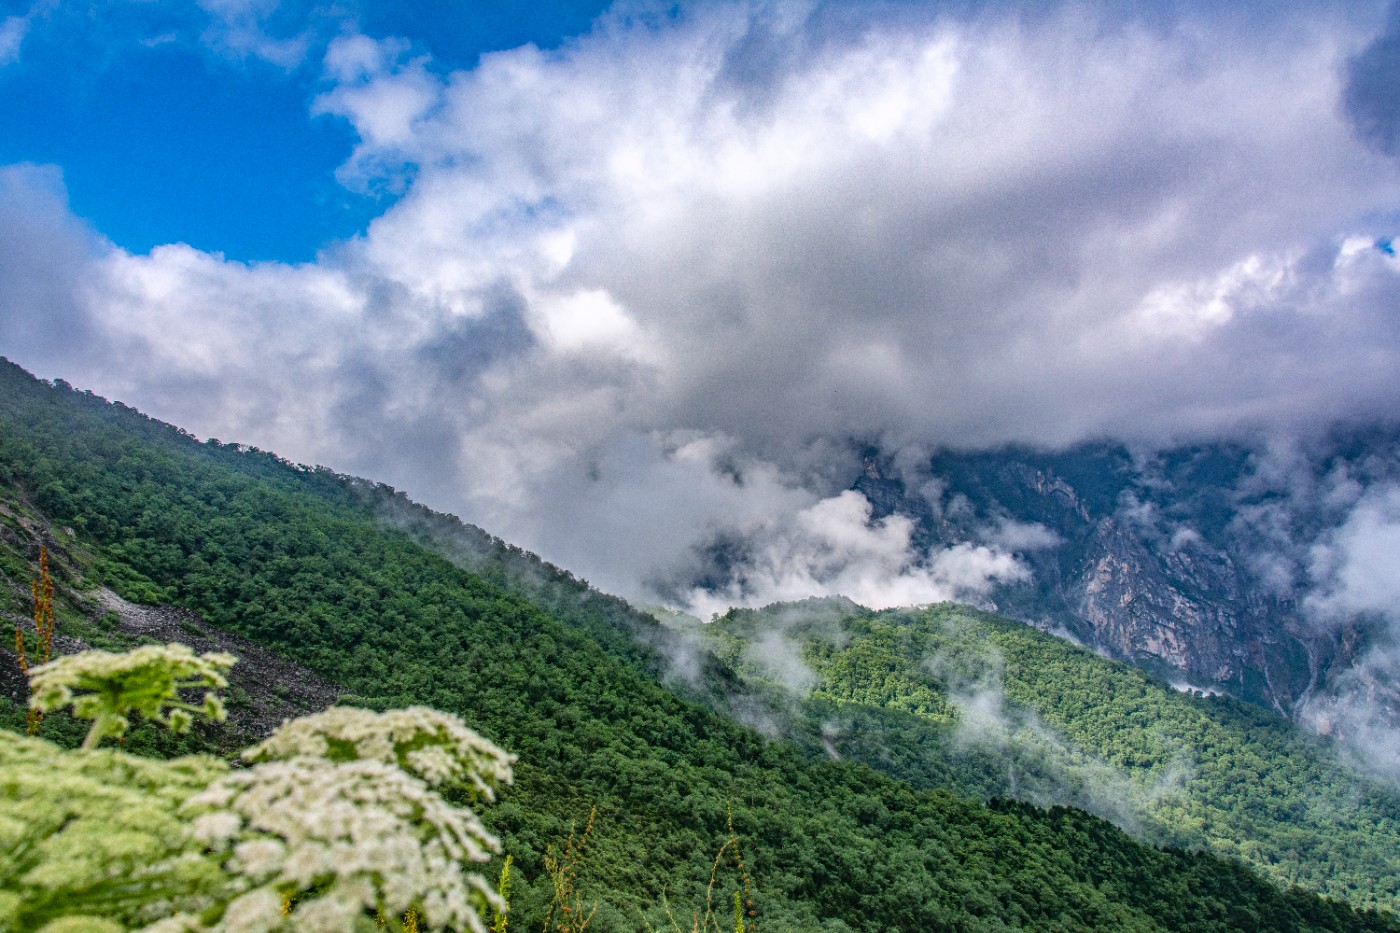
point(1205, 563)
point(394, 605)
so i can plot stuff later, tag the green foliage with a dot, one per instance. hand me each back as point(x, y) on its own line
point(147, 681)
point(951, 697)
point(94, 838)
point(337, 824)
point(710, 920)
point(96, 834)
point(416, 613)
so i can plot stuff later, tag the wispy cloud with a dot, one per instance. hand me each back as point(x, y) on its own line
point(1356, 565)
point(834, 547)
point(12, 30)
point(245, 28)
point(1356, 585)
point(1027, 759)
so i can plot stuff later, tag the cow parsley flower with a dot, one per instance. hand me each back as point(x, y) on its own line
point(97, 834)
point(434, 746)
point(338, 821)
point(147, 680)
point(339, 817)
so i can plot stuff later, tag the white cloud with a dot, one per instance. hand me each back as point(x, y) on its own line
point(45, 255)
point(380, 91)
point(1355, 569)
point(1358, 565)
point(780, 659)
point(589, 321)
point(834, 548)
point(1022, 536)
point(240, 29)
point(355, 59)
point(641, 290)
point(12, 32)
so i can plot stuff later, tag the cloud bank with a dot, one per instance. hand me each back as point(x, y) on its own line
point(1355, 569)
point(640, 293)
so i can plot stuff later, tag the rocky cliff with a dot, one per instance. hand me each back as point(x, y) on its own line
point(1199, 563)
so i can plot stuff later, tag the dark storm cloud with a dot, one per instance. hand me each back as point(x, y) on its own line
point(466, 346)
point(1373, 89)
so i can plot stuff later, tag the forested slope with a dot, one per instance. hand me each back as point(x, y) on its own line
point(947, 696)
point(294, 559)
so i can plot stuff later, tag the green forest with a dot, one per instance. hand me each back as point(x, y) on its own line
point(902, 828)
point(947, 696)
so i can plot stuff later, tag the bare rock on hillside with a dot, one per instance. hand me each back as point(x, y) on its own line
point(264, 687)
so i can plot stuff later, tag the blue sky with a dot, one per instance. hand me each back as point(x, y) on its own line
point(167, 134)
point(615, 283)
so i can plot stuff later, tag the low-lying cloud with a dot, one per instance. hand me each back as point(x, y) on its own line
point(1026, 758)
point(1358, 564)
point(1355, 567)
point(835, 548)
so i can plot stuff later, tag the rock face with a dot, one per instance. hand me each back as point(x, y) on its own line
point(265, 688)
point(1193, 563)
point(1188, 611)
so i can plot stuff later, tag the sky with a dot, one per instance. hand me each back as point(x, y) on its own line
point(616, 281)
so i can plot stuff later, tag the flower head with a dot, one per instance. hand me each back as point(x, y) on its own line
point(349, 838)
point(434, 746)
point(106, 687)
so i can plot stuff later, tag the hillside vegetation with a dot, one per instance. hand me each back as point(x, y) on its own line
point(947, 696)
point(301, 560)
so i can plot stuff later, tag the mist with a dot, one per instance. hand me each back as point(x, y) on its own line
point(1357, 585)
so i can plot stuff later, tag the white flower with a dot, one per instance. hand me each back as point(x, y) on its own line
point(434, 746)
point(327, 914)
point(258, 858)
point(362, 835)
point(216, 828)
point(337, 821)
point(76, 824)
point(147, 680)
point(255, 912)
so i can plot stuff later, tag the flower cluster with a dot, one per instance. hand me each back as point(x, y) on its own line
point(89, 835)
point(434, 746)
point(339, 820)
point(147, 680)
